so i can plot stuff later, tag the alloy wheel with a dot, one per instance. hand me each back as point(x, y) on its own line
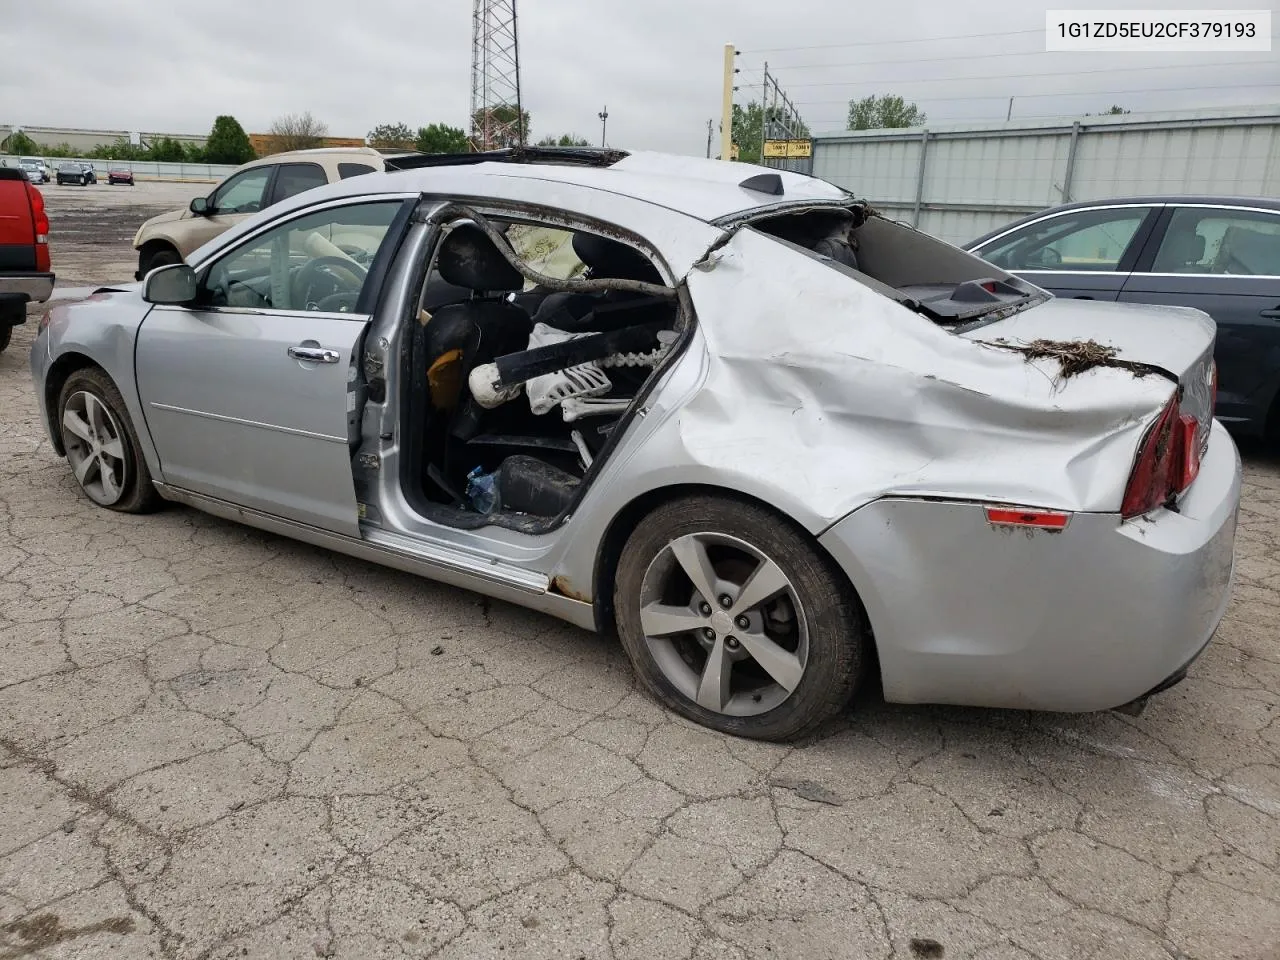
point(724, 624)
point(95, 447)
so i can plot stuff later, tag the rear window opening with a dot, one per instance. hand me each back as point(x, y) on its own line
point(950, 287)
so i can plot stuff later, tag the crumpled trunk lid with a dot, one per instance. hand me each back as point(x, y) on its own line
point(1178, 341)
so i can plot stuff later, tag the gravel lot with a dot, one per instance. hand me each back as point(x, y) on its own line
point(215, 743)
point(92, 228)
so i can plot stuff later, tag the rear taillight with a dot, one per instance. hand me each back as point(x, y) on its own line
point(1213, 389)
point(41, 219)
point(1167, 462)
point(1187, 464)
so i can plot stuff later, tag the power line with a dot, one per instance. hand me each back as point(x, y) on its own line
point(911, 62)
point(1065, 93)
point(835, 127)
point(881, 43)
point(1023, 76)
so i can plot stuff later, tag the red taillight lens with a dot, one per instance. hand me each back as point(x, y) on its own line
point(1187, 464)
point(1150, 483)
point(41, 218)
point(1041, 519)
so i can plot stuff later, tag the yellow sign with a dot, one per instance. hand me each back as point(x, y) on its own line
point(788, 149)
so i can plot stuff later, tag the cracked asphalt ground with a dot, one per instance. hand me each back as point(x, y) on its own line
point(216, 743)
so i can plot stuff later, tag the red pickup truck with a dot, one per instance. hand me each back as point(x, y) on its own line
point(25, 276)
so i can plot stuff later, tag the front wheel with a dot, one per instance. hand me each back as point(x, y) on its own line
point(734, 619)
point(161, 257)
point(102, 446)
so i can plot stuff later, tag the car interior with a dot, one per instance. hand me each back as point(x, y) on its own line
point(1216, 245)
point(516, 386)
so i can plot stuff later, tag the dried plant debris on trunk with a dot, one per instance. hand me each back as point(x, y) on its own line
point(1076, 356)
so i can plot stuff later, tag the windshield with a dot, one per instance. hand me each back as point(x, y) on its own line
point(69, 167)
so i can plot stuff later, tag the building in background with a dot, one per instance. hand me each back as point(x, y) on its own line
point(264, 143)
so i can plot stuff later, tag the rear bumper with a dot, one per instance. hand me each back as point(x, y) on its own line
point(33, 287)
point(1090, 618)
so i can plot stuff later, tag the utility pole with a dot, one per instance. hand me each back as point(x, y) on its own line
point(726, 107)
point(604, 123)
point(497, 116)
point(709, 123)
point(1009, 113)
point(764, 111)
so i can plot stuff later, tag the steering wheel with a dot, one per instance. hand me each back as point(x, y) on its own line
point(330, 284)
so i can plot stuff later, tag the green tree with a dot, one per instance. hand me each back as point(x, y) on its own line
point(565, 140)
point(166, 150)
point(441, 138)
point(228, 143)
point(121, 149)
point(21, 144)
point(882, 112)
point(1115, 111)
point(749, 128)
point(392, 135)
point(502, 126)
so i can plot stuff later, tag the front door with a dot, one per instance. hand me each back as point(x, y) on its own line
point(1226, 262)
point(246, 394)
point(1082, 253)
point(236, 198)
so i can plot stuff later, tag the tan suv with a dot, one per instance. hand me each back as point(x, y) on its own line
point(170, 237)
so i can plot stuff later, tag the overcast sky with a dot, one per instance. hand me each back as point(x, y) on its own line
point(168, 66)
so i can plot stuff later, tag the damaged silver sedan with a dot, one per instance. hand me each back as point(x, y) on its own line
point(782, 444)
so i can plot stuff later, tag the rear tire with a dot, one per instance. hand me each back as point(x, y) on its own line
point(103, 451)
point(6, 335)
point(778, 667)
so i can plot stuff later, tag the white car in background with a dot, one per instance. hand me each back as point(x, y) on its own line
point(37, 170)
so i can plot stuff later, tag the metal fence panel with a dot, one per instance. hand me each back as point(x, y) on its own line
point(147, 169)
point(960, 182)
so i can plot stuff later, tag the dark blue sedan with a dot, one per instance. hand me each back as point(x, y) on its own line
point(1218, 254)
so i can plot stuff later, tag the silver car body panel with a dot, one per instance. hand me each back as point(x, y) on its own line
point(102, 329)
point(877, 431)
point(235, 417)
point(967, 612)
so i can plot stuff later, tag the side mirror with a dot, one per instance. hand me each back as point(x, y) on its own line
point(200, 207)
point(173, 285)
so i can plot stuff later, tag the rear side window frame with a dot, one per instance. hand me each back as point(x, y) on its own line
point(276, 196)
point(349, 168)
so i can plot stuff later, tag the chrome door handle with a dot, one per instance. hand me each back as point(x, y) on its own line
point(315, 354)
point(1271, 314)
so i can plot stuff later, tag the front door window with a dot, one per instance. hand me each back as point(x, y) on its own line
point(1083, 240)
point(242, 193)
point(317, 262)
